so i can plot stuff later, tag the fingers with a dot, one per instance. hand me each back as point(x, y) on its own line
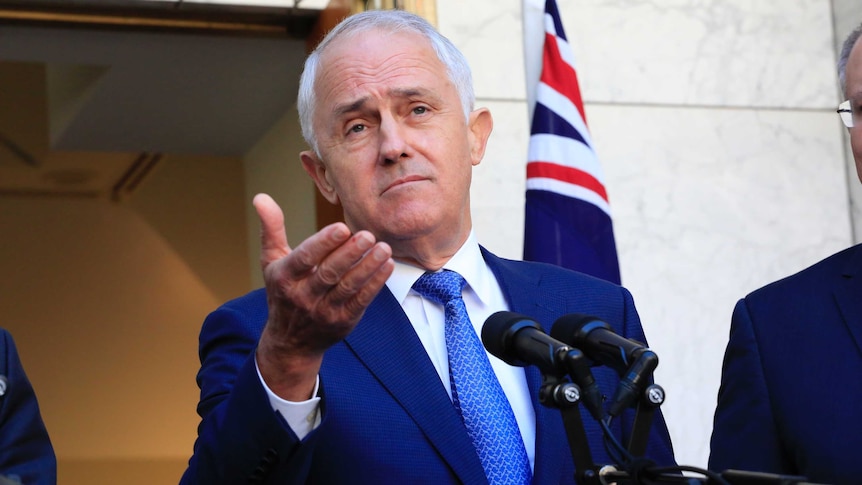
point(309, 255)
point(356, 271)
point(334, 275)
point(361, 284)
point(319, 289)
point(334, 266)
point(340, 270)
point(273, 238)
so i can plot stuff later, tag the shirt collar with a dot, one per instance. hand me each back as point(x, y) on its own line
point(468, 262)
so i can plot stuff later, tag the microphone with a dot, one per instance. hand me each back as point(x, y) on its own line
point(520, 341)
point(632, 360)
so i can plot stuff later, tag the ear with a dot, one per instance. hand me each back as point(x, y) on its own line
point(479, 126)
point(316, 169)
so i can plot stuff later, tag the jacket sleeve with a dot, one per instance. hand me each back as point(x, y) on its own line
point(26, 452)
point(241, 439)
point(744, 435)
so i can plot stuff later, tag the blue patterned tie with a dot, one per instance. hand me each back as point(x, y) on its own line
point(476, 392)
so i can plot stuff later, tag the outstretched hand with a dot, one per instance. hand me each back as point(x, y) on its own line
point(316, 293)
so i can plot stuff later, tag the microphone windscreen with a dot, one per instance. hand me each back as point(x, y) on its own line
point(498, 332)
point(568, 327)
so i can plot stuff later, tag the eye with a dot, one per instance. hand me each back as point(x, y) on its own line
point(420, 110)
point(357, 128)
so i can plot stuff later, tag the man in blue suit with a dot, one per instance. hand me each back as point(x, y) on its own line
point(790, 396)
point(26, 454)
point(337, 371)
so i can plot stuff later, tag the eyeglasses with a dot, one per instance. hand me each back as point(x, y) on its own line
point(847, 115)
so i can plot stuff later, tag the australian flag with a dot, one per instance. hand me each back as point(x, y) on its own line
point(567, 219)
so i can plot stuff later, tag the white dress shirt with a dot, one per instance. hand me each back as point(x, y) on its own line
point(482, 297)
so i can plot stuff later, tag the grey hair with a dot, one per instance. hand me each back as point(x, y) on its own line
point(845, 55)
point(392, 21)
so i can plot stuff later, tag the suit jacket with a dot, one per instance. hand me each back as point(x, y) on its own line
point(386, 416)
point(25, 449)
point(790, 389)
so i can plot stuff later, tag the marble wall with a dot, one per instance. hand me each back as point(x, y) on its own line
point(726, 165)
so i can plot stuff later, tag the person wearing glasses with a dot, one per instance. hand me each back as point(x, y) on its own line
point(789, 401)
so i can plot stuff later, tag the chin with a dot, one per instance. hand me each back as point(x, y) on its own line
point(409, 226)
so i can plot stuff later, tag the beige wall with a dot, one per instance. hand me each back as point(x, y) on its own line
point(273, 167)
point(106, 300)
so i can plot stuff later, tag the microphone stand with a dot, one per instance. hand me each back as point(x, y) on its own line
point(558, 392)
point(565, 396)
point(651, 398)
point(560, 389)
point(561, 394)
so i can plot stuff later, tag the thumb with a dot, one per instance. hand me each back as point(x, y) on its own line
point(273, 238)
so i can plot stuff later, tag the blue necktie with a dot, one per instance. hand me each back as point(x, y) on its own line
point(476, 392)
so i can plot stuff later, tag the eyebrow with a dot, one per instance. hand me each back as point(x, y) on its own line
point(343, 109)
point(409, 92)
point(357, 105)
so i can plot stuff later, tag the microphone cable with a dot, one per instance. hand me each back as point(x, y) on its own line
point(643, 470)
point(614, 448)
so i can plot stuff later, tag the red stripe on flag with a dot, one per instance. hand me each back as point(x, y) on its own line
point(566, 174)
point(559, 75)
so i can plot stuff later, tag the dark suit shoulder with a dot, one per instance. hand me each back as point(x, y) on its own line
point(815, 280)
point(253, 299)
point(550, 274)
point(247, 313)
point(546, 292)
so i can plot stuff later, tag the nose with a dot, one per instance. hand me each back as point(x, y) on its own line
point(393, 141)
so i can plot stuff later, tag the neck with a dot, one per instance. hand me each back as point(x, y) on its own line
point(426, 255)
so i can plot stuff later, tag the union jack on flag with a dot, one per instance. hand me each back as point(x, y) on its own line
point(567, 218)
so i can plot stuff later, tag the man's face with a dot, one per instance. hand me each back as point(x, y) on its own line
point(853, 81)
point(395, 148)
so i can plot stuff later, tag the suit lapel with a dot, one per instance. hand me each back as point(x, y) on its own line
point(522, 290)
point(385, 342)
point(848, 295)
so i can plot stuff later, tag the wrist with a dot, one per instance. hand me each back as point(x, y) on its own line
point(290, 375)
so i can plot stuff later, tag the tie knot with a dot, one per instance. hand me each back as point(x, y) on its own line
point(441, 287)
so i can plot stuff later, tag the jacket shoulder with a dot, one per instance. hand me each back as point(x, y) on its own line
point(548, 275)
point(815, 278)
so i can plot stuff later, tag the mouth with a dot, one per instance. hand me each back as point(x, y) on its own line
point(404, 181)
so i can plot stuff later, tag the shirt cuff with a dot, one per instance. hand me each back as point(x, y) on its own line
point(303, 416)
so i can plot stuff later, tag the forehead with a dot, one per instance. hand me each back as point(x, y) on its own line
point(375, 59)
